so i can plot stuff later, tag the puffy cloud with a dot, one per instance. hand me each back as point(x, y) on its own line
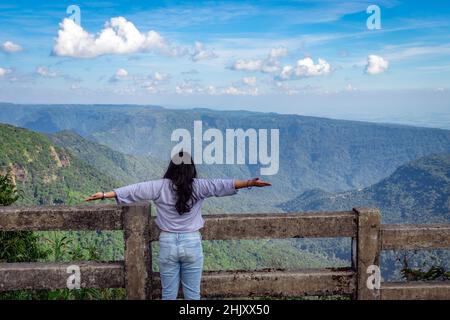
point(4, 72)
point(247, 65)
point(278, 52)
point(11, 47)
point(45, 72)
point(188, 87)
point(160, 76)
point(121, 74)
point(199, 53)
point(153, 83)
point(119, 36)
point(250, 81)
point(305, 68)
point(268, 65)
point(271, 64)
point(376, 64)
point(236, 91)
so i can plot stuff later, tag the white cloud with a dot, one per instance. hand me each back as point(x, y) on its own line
point(4, 72)
point(154, 83)
point(160, 76)
point(11, 47)
point(199, 53)
point(236, 91)
point(188, 88)
point(272, 65)
point(121, 74)
point(305, 68)
point(247, 65)
point(119, 36)
point(268, 65)
point(125, 91)
point(376, 64)
point(250, 81)
point(211, 90)
point(152, 89)
point(278, 52)
point(45, 72)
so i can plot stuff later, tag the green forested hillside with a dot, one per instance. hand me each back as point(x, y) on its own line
point(131, 169)
point(123, 167)
point(332, 155)
point(66, 168)
point(417, 192)
point(45, 173)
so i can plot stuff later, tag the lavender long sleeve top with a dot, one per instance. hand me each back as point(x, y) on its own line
point(161, 193)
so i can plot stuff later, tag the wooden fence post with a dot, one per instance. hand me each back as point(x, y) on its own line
point(368, 247)
point(138, 264)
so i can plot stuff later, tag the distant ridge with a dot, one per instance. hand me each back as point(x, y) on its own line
point(417, 192)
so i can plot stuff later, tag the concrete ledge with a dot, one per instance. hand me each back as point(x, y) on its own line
point(18, 276)
point(273, 283)
point(415, 290)
point(409, 236)
point(275, 225)
point(104, 217)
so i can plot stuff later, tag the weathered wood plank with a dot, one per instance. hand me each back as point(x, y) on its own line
point(410, 236)
point(138, 263)
point(273, 283)
point(275, 225)
point(367, 251)
point(18, 276)
point(415, 290)
point(103, 217)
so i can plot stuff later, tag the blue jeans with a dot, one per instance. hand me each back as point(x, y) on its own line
point(180, 258)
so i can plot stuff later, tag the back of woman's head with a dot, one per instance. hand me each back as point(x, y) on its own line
point(181, 172)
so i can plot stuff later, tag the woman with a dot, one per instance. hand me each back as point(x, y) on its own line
point(178, 198)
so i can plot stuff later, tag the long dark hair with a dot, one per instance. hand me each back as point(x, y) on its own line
point(181, 172)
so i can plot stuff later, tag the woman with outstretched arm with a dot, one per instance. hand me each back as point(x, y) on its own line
point(178, 198)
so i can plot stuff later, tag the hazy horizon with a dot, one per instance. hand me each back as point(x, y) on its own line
point(321, 58)
point(421, 118)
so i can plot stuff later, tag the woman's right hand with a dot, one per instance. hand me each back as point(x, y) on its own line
point(95, 196)
point(255, 182)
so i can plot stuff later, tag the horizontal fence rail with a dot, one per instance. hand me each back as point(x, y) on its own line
point(44, 218)
point(363, 226)
point(38, 275)
point(416, 291)
point(425, 236)
point(273, 283)
point(260, 226)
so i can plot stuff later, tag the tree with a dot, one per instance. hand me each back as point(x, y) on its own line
point(21, 246)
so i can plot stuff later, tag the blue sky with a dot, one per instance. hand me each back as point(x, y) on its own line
point(311, 57)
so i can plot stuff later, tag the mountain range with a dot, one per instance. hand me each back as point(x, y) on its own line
point(324, 165)
point(315, 153)
point(47, 173)
point(417, 192)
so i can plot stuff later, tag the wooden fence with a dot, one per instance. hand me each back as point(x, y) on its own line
point(362, 225)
